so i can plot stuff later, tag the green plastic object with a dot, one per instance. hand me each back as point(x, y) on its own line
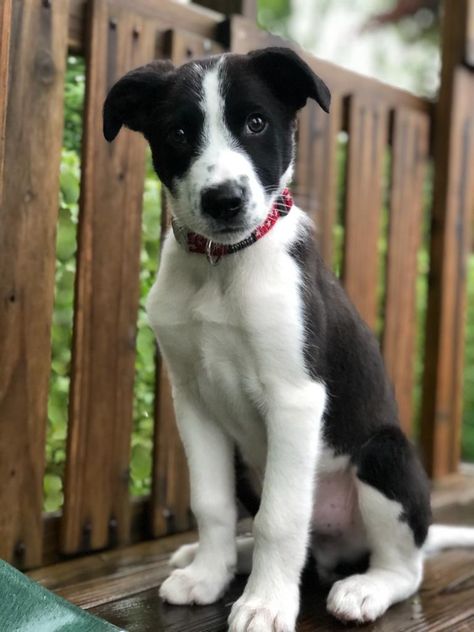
point(25, 606)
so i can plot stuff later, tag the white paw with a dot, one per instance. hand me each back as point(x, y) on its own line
point(184, 556)
point(254, 614)
point(358, 598)
point(195, 584)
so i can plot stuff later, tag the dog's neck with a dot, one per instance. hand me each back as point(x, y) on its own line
point(214, 251)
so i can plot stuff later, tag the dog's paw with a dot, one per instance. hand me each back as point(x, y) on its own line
point(195, 585)
point(357, 598)
point(253, 614)
point(184, 556)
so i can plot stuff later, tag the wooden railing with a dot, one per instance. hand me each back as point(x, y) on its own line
point(383, 135)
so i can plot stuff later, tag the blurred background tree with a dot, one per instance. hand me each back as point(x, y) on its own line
point(393, 40)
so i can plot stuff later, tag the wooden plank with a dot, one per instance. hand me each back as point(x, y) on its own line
point(170, 490)
point(182, 46)
point(191, 18)
point(139, 529)
point(121, 586)
point(470, 34)
point(454, 490)
point(94, 580)
point(5, 33)
point(247, 8)
point(314, 184)
point(368, 136)
point(28, 216)
point(440, 421)
point(409, 160)
point(245, 35)
point(450, 245)
point(97, 508)
point(443, 604)
point(72, 575)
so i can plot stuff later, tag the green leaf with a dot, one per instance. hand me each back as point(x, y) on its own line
point(141, 462)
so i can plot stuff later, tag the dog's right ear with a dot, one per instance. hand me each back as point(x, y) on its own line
point(132, 99)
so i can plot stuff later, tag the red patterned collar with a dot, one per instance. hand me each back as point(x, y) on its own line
point(193, 242)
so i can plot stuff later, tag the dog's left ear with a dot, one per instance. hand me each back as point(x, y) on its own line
point(133, 99)
point(290, 78)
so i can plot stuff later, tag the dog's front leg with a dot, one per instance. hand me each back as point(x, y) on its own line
point(211, 466)
point(270, 602)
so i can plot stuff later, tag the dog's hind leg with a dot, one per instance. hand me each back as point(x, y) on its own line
point(186, 554)
point(393, 497)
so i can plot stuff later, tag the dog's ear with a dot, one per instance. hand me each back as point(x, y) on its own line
point(131, 100)
point(290, 78)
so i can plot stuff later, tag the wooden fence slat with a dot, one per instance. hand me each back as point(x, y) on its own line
point(170, 501)
point(28, 217)
point(170, 491)
point(452, 216)
point(316, 169)
point(368, 134)
point(248, 8)
point(5, 32)
point(194, 19)
point(470, 34)
point(409, 162)
point(97, 505)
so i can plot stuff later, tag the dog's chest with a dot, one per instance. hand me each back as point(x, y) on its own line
point(212, 348)
point(228, 332)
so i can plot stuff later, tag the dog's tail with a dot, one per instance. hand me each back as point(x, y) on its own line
point(442, 536)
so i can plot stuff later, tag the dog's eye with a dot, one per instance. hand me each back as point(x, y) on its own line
point(177, 136)
point(255, 124)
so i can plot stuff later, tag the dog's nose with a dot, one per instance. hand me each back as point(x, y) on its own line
point(223, 202)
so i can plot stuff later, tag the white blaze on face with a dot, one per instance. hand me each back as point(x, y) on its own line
point(220, 160)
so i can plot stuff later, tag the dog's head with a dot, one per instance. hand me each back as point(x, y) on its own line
point(220, 130)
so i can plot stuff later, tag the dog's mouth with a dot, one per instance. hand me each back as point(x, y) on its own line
point(231, 230)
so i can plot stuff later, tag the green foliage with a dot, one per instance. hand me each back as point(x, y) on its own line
point(273, 14)
point(74, 103)
point(62, 328)
point(142, 436)
point(66, 245)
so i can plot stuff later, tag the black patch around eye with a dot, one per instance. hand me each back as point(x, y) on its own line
point(180, 110)
point(271, 149)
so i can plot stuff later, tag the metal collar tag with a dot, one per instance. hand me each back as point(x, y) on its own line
point(213, 259)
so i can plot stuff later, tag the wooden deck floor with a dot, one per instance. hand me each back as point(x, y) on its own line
point(121, 587)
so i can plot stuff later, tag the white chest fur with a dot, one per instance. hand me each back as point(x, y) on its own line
point(234, 332)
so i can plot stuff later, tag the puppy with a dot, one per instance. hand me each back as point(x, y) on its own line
point(267, 356)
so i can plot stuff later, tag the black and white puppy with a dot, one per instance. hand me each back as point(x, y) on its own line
point(267, 356)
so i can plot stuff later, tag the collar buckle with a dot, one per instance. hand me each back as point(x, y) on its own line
point(213, 259)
